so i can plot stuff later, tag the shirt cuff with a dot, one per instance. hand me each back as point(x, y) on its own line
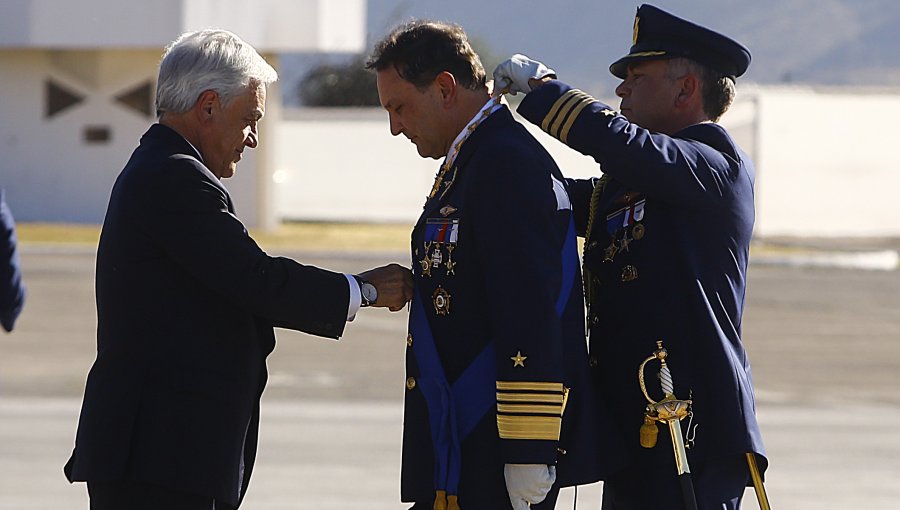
point(355, 297)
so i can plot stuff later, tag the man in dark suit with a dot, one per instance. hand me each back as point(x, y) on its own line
point(12, 290)
point(187, 302)
point(667, 233)
point(498, 410)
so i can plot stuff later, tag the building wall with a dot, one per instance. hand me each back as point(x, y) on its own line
point(50, 171)
point(344, 165)
point(53, 174)
point(826, 162)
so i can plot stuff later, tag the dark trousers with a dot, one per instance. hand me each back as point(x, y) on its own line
point(132, 495)
point(718, 485)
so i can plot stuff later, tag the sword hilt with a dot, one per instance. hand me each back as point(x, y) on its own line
point(665, 376)
point(668, 410)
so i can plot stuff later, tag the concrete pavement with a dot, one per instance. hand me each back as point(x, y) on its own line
point(824, 343)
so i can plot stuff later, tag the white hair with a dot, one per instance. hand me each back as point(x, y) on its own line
point(207, 60)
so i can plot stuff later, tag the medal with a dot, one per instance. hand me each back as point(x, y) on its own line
point(441, 301)
point(450, 264)
point(629, 273)
point(638, 231)
point(426, 261)
point(437, 257)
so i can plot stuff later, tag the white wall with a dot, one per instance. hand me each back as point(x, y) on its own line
point(824, 161)
point(344, 165)
point(101, 48)
point(827, 163)
point(49, 171)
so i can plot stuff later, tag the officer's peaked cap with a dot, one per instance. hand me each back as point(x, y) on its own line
point(660, 35)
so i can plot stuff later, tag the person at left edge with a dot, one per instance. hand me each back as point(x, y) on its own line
point(12, 290)
point(187, 301)
point(498, 408)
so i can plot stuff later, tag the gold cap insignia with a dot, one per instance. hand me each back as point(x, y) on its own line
point(634, 36)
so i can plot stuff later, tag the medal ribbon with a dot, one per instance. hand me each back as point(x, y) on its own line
point(490, 107)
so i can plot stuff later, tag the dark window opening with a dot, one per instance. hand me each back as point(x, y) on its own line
point(139, 99)
point(97, 134)
point(58, 98)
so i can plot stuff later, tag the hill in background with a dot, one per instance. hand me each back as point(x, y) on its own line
point(821, 42)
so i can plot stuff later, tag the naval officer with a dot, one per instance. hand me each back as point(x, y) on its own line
point(498, 407)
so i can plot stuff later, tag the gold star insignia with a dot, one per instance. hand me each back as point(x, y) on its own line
point(608, 112)
point(519, 360)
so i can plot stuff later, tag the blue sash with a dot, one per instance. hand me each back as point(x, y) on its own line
point(454, 410)
point(569, 265)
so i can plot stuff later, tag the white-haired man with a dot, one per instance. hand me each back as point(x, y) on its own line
point(187, 301)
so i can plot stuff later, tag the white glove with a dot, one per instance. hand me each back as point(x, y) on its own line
point(515, 72)
point(528, 484)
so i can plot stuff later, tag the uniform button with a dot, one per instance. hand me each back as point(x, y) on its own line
point(595, 320)
point(409, 340)
point(410, 383)
point(593, 361)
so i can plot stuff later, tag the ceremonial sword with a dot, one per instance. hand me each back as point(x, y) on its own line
point(670, 410)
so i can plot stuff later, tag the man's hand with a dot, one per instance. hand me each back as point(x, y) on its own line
point(528, 484)
point(513, 75)
point(394, 284)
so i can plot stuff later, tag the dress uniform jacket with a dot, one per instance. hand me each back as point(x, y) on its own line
point(501, 349)
point(12, 290)
point(186, 304)
point(666, 256)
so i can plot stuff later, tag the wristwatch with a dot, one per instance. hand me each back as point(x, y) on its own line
point(368, 291)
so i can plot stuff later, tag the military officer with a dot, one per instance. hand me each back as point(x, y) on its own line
point(497, 371)
point(667, 230)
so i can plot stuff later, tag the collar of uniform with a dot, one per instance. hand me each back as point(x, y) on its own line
point(491, 106)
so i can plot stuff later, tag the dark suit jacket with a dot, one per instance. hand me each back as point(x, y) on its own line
point(12, 290)
point(186, 303)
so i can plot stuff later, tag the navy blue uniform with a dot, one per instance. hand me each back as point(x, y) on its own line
point(12, 290)
point(667, 241)
point(186, 305)
point(499, 348)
